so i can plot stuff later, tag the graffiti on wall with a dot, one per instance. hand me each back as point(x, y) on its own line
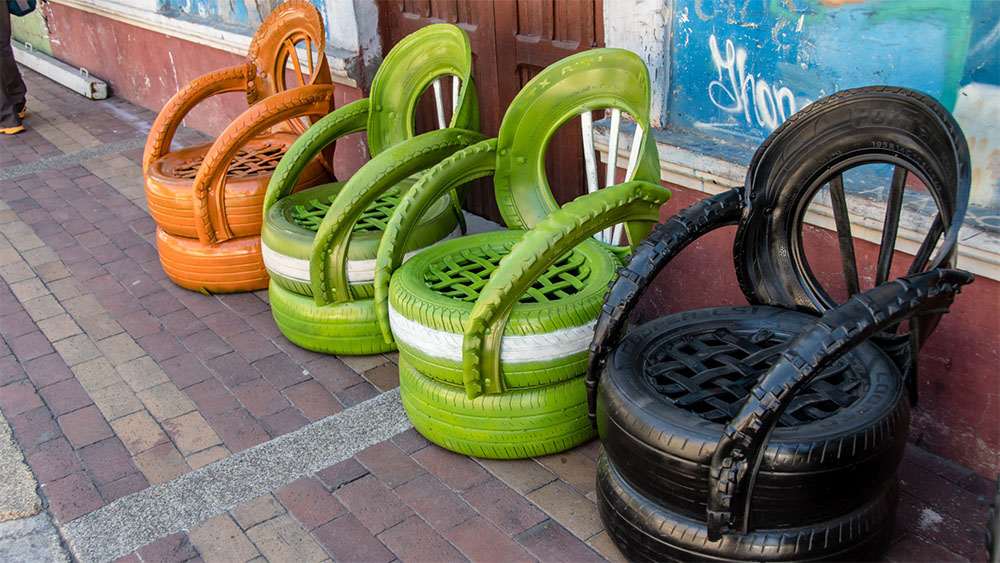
point(739, 68)
point(237, 15)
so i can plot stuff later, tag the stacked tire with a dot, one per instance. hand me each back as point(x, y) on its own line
point(826, 488)
point(543, 408)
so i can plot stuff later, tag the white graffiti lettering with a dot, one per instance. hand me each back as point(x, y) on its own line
point(735, 92)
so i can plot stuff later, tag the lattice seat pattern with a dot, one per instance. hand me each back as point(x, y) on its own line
point(375, 218)
point(462, 276)
point(710, 373)
point(247, 162)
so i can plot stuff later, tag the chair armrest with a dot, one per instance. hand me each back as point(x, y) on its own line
point(466, 165)
point(328, 264)
point(210, 182)
point(635, 202)
point(347, 119)
point(665, 242)
point(738, 454)
point(161, 134)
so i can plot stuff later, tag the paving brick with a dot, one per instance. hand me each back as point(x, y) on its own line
point(18, 397)
point(414, 540)
point(99, 326)
point(341, 473)
point(238, 429)
point(376, 506)
point(913, 549)
point(212, 397)
point(83, 306)
point(225, 323)
point(233, 370)
point(72, 496)
point(260, 398)
point(357, 394)
point(199, 305)
point(58, 327)
point(602, 544)
point(282, 539)
point(30, 346)
point(52, 271)
point(47, 370)
point(139, 432)
point(96, 374)
point(131, 483)
point(120, 348)
point(389, 464)
point(456, 471)
point(252, 345)
point(220, 539)
point(205, 457)
point(480, 540)
point(346, 539)
point(258, 510)
point(182, 323)
point(280, 371)
point(384, 377)
point(64, 289)
point(116, 401)
point(66, 396)
point(571, 509)
point(313, 400)
point(160, 303)
point(33, 428)
point(191, 433)
point(245, 304)
point(185, 370)
point(15, 324)
point(263, 323)
point(107, 461)
point(361, 364)
point(161, 346)
point(283, 422)
point(139, 323)
point(77, 349)
point(142, 373)
point(53, 460)
point(173, 548)
point(508, 510)
point(333, 374)
point(84, 426)
point(574, 468)
point(161, 463)
point(410, 441)
point(15, 272)
point(28, 289)
point(549, 541)
point(10, 369)
point(435, 502)
point(165, 401)
point(309, 502)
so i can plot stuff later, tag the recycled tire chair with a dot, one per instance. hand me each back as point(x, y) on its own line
point(322, 302)
point(206, 199)
point(773, 432)
point(492, 328)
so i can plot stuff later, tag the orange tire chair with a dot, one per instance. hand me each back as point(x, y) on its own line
point(207, 199)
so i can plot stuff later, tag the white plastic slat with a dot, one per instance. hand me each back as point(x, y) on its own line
point(612, 165)
point(439, 103)
point(633, 161)
point(455, 85)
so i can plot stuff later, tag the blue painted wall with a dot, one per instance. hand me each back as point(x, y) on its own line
point(242, 16)
point(738, 68)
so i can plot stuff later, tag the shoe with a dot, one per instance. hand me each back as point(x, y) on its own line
point(12, 130)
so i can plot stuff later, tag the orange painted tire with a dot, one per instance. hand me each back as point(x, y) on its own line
point(227, 267)
point(170, 180)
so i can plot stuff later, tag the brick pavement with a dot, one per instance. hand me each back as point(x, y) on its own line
point(114, 381)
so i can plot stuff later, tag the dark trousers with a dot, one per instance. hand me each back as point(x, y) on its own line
point(11, 86)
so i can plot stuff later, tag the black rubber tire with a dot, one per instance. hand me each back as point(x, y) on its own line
point(645, 531)
point(993, 528)
point(810, 473)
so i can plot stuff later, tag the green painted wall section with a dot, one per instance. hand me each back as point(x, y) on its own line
point(33, 29)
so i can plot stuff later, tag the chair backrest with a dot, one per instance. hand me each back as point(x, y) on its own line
point(423, 58)
point(809, 156)
point(598, 79)
point(291, 35)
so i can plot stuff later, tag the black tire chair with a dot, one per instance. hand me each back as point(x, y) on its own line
point(773, 432)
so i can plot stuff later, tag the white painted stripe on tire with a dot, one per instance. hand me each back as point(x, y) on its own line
point(514, 348)
point(358, 271)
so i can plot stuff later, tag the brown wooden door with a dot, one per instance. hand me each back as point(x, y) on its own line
point(512, 40)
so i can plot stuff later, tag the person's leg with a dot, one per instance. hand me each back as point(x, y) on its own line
point(12, 89)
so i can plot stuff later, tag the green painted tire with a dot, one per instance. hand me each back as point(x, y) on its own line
point(290, 228)
point(347, 328)
point(515, 424)
point(554, 321)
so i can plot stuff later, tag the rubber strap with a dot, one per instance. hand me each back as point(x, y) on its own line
point(637, 203)
point(739, 452)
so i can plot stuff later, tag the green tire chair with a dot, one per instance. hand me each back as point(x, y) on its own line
point(345, 323)
point(493, 328)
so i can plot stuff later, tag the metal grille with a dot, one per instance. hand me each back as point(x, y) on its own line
point(710, 373)
point(247, 162)
point(310, 214)
point(462, 276)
